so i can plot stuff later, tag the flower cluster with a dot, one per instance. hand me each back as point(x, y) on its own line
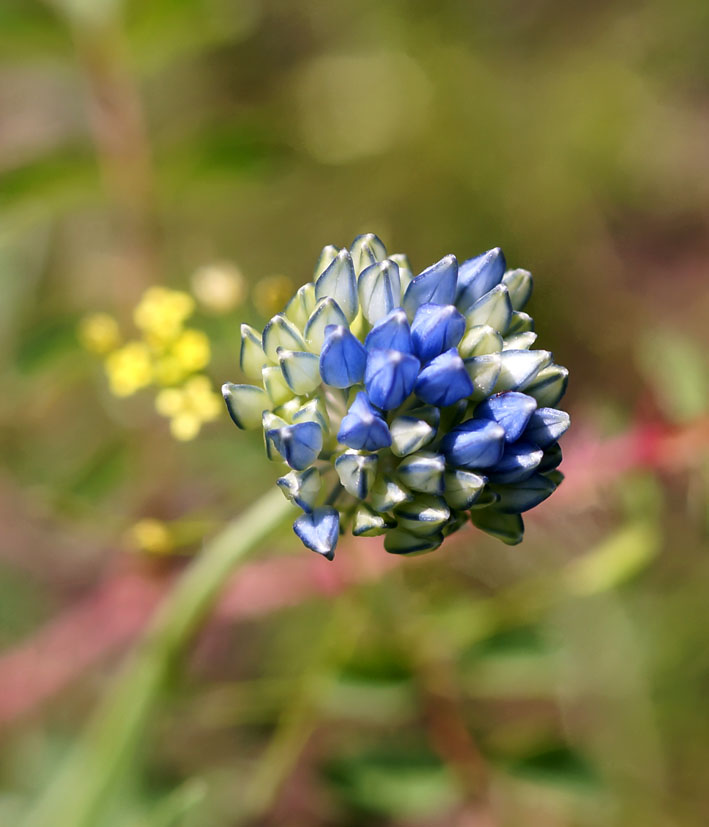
point(405, 405)
point(168, 354)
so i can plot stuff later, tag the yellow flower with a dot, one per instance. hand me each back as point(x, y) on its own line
point(161, 313)
point(129, 368)
point(169, 402)
point(150, 535)
point(219, 287)
point(202, 399)
point(192, 350)
point(168, 370)
point(271, 294)
point(185, 426)
point(189, 407)
point(99, 333)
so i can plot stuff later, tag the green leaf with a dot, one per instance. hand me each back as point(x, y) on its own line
point(396, 784)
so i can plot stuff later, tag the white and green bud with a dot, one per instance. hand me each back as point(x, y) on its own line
point(369, 523)
point(301, 370)
point(423, 472)
point(245, 404)
point(356, 472)
point(252, 357)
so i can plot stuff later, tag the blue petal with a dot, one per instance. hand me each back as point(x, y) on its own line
point(436, 285)
point(514, 499)
point(478, 275)
point(476, 443)
point(298, 444)
point(343, 358)
point(546, 426)
point(436, 327)
point(391, 333)
point(444, 380)
point(363, 428)
point(390, 377)
point(319, 530)
point(519, 461)
point(512, 410)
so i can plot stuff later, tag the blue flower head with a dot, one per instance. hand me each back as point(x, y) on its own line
point(404, 405)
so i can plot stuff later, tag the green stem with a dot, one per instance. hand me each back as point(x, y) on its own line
point(94, 766)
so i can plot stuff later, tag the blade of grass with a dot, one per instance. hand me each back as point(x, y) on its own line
point(84, 783)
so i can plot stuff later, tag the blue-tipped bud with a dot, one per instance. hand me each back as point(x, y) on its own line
point(514, 499)
point(319, 530)
point(363, 427)
point(435, 285)
point(436, 328)
point(477, 276)
point(342, 358)
point(444, 380)
point(518, 462)
point(511, 410)
point(339, 283)
point(475, 443)
point(299, 444)
point(546, 426)
point(391, 333)
point(390, 377)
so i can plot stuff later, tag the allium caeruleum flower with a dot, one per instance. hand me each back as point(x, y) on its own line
point(405, 405)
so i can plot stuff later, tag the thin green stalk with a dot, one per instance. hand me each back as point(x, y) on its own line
point(94, 766)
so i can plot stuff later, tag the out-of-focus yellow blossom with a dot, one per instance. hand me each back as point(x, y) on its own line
point(219, 287)
point(168, 370)
point(189, 407)
point(271, 294)
point(161, 313)
point(99, 333)
point(129, 368)
point(192, 351)
point(150, 535)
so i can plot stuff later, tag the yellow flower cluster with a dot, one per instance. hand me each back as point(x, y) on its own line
point(167, 354)
point(189, 406)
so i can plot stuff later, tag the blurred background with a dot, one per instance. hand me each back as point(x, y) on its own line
point(212, 147)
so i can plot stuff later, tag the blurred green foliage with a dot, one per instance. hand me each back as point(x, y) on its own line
point(559, 684)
